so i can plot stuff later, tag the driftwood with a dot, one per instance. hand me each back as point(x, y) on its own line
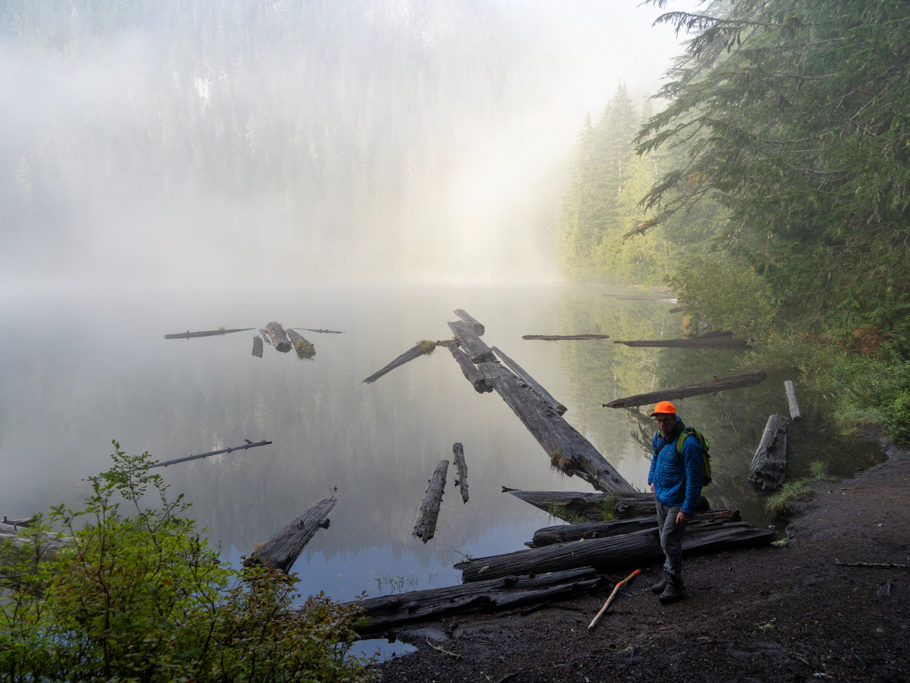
point(471, 372)
point(565, 337)
point(282, 550)
point(279, 338)
point(230, 449)
point(470, 320)
point(633, 297)
point(302, 345)
point(791, 400)
point(690, 390)
point(769, 463)
point(576, 532)
point(572, 505)
point(310, 329)
point(205, 333)
point(461, 467)
point(257, 346)
point(416, 351)
point(388, 611)
point(705, 342)
point(469, 340)
point(612, 553)
point(425, 526)
point(531, 382)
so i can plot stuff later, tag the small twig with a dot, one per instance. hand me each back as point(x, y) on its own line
point(878, 565)
point(442, 650)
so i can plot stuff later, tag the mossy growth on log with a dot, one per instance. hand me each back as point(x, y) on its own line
point(426, 346)
point(304, 349)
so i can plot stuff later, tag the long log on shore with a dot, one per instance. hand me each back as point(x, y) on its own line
point(229, 449)
point(570, 505)
point(612, 553)
point(690, 390)
point(205, 333)
point(564, 337)
point(576, 532)
point(706, 342)
point(303, 346)
point(387, 611)
point(282, 550)
point(790, 390)
point(278, 337)
point(533, 383)
point(461, 467)
point(423, 348)
point(428, 513)
point(769, 464)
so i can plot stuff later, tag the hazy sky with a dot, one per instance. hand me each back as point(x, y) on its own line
point(121, 166)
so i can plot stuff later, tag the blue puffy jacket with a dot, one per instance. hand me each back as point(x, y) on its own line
point(677, 479)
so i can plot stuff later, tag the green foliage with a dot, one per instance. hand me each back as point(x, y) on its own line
point(426, 346)
point(781, 503)
point(142, 596)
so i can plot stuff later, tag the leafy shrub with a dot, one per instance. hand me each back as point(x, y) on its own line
point(143, 597)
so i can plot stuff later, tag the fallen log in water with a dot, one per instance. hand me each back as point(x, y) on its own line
point(229, 449)
point(387, 611)
point(422, 348)
point(428, 513)
point(564, 337)
point(576, 532)
point(279, 338)
point(471, 372)
point(690, 390)
point(461, 467)
point(477, 351)
point(257, 346)
point(318, 331)
point(520, 371)
point(790, 390)
point(302, 345)
point(769, 464)
point(282, 550)
point(612, 553)
point(570, 505)
point(470, 320)
point(205, 333)
point(705, 342)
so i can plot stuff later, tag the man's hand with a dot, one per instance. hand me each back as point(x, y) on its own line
point(681, 518)
point(652, 487)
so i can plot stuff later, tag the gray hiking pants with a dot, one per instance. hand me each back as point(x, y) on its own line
point(670, 538)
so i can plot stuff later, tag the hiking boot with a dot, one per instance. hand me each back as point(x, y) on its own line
point(659, 587)
point(672, 592)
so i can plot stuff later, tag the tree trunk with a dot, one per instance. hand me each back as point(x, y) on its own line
point(471, 372)
point(282, 550)
point(530, 381)
point(257, 346)
point(769, 464)
point(689, 390)
point(791, 400)
point(429, 508)
point(303, 347)
point(278, 337)
point(469, 319)
point(477, 351)
point(461, 467)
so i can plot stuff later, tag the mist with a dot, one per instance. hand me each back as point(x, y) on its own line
point(233, 143)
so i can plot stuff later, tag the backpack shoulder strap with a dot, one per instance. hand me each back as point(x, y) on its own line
point(687, 432)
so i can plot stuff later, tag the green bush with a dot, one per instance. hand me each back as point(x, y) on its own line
point(143, 597)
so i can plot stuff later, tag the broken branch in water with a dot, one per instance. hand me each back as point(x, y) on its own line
point(204, 333)
point(230, 449)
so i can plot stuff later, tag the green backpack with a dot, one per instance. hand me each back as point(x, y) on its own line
point(706, 459)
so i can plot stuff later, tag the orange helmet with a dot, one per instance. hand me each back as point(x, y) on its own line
point(664, 407)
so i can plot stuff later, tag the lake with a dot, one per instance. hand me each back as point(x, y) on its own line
point(81, 370)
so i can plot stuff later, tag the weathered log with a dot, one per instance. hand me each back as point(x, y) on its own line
point(265, 336)
point(705, 342)
point(278, 337)
point(612, 553)
point(282, 550)
point(530, 381)
point(387, 611)
point(634, 297)
point(318, 331)
point(21, 521)
point(564, 337)
point(303, 346)
point(570, 505)
point(791, 400)
point(471, 372)
point(769, 464)
point(477, 351)
point(423, 348)
point(428, 513)
point(229, 449)
point(690, 390)
point(575, 532)
point(461, 467)
point(204, 333)
point(257, 346)
point(470, 320)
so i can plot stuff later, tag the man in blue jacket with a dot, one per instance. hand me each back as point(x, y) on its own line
point(675, 479)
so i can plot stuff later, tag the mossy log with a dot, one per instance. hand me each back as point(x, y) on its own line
point(282, 550)
point(461, 467)
point(612, 553)
point(302, 346)
point(279, 338)
point(711, 387)
point(769, 464)
point(425, 527)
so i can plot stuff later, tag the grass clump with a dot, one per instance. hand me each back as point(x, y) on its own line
point(781, 503)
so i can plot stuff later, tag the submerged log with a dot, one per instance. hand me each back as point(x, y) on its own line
point(565, 337)
point(423, 348)
point(612, 553)
point(282, 550)
point(387, 611)
point(571, 505)
point(531, 382)
point(257, 346)
point(428, 513)
point(204, 333)
point(790, 390)
point(690, 390)
point(576, 532)
point(470, 320)
point(230, 449)
point(705, 342)
point(303, 347)
point(461, 467)
point(769, 464)
point(278, 337)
